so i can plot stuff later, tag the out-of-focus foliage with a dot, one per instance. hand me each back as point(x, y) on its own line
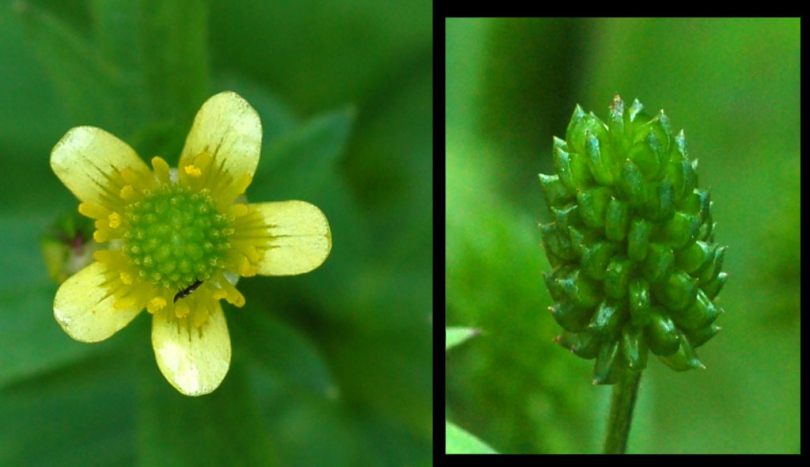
point(733, 85)
point(334, 367)
point(458, 441)
point(455, 336)
point(494, 285)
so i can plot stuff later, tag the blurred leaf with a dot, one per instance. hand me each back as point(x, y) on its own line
point(35, 343)
point(385, 443)
point(81, 414)
point(280, 350)
point(27, 94)
point(455, 336)
point(38, 344)
point(307, 427)
point(214, 429)
point(116, 26)
point(277, 118)
point(494, 282)
point(390, 372)
point(322, 54)
point(173, 38)
point(295, 165)
point(88, 85)
point(459, 441)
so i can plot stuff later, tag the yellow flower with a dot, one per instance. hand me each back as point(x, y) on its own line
point(177, 240)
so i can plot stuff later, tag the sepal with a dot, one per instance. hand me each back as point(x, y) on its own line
point(634, 347)
point(557, 243)
point(572, 169)
point(617, 277)
point(659, 264)
point(554, 191)
point(597, 258)
point(713, 287)
point(680, 230)
point(695, 257)
point(702, 335)
point(608, 320)
point(700, 314)
point(662, 334)
point(631, 185)
point(661, 201)
point(640, 306)
point(583, 292)
point(678, 292)
point(571, 317)
point(604, 371)
point(713, 270)
point(593, 205)
point(600, 158)
point(638, 241)
point(617, 220)
point(684, 359)
point(583, 344)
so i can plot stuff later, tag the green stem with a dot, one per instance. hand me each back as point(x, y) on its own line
point(622, 403)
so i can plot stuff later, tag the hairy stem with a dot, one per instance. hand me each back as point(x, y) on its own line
point(622, 402)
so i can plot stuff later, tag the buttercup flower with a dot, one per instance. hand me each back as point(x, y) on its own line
point(175, 242)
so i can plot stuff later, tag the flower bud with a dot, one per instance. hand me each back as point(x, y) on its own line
point(636, 268)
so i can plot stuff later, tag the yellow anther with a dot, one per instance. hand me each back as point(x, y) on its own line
point(219, 294)
point(192, 171)
point(99, 236)
point(115, 220)
point(127, 193)
point(92, 210)
point(181, 309)
point(126, 278)
point(156, 304)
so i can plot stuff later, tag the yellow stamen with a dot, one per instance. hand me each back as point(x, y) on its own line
point(93, 211)
point(128, 193)
point(124, 303)
point(100, 237)
point(161, 169)
point(192, 171)
point(126, 278)
point(115, 220)
point(156, 304)
point(181, 309)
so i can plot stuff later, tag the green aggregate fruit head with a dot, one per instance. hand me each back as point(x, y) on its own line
point(635, 265)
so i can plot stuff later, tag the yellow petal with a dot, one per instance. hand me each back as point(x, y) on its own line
point(301, 239)
point(84, 306)
point(193, 359)
point(86, 159)
point(229, 129)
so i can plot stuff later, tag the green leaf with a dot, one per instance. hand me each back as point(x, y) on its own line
point(296, 165)
point(34, 342)
point(173, 38)
point(455, 336)
point(277, 118)
point(461, 442)
point(88, 84)
point(38, 344)
point(280, 349)
point(115, 26)
point(210, 430)
point(79, 413)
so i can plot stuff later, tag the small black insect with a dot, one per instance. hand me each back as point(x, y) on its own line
point(185, 292)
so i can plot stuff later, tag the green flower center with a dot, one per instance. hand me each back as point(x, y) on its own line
point(176, 237)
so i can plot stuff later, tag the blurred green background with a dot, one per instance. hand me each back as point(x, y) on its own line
point(733, 86)
point(329, 368)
